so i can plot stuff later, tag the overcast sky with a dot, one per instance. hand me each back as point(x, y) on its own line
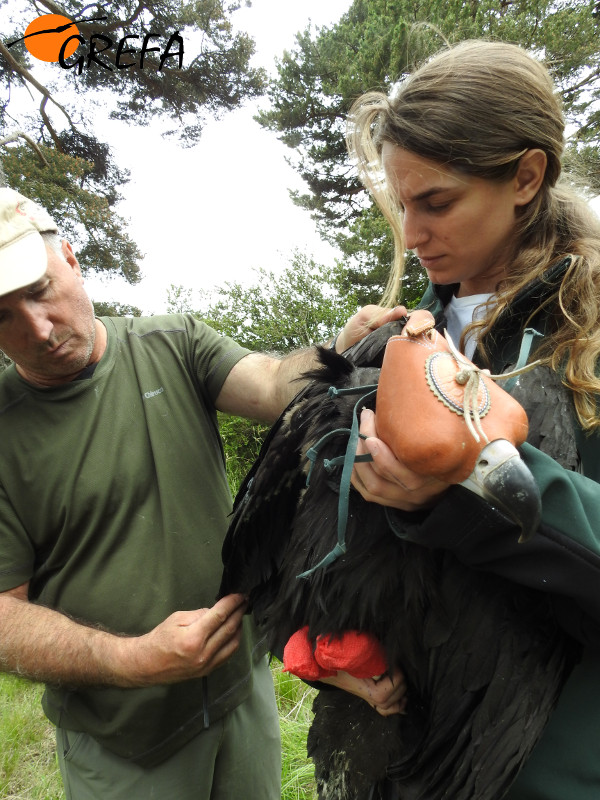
point(214, 212)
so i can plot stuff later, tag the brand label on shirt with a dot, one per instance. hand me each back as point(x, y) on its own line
point(149, 395)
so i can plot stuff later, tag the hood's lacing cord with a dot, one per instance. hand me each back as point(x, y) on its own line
point(469, 376)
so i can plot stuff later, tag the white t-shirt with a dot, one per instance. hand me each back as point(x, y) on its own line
point(460, 312)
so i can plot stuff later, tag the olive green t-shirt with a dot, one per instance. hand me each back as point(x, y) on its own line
point(114, 504)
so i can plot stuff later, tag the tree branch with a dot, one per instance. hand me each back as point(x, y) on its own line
point(28, 77)
point(49, 125)
point(55, 8)
point(573, 89)
point(34, 145)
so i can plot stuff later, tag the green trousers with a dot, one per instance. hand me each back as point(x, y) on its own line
point(239, 756)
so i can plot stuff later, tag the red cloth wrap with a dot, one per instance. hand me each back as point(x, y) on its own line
point(359, 654)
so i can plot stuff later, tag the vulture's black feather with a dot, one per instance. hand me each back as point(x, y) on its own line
point(550, 413)
point(484, 659)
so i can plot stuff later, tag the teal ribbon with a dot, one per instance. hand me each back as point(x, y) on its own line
point(347, 461)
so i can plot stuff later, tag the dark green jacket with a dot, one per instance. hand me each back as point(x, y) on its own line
point(563, 558)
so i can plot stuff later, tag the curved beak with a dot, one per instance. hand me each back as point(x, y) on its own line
point(501, 478)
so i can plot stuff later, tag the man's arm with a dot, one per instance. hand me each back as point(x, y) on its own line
point(44, 645)
point(260, 386)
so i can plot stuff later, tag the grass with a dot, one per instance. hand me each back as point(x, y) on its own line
point(294, 700)
point(28, 766)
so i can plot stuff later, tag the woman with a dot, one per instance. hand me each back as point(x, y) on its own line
point(464, 160)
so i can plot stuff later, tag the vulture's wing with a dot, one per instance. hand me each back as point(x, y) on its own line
point(267, 501)
point(266, 504)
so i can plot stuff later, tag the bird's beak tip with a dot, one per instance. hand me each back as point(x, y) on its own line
point(503, 480)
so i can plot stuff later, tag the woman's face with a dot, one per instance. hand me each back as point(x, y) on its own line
point(460, 227)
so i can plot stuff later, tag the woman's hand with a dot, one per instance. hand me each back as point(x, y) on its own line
point(387, 481)
point(387, 695)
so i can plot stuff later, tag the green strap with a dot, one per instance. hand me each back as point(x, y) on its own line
point(526, 343)
point(313, 452)
point(347, 460)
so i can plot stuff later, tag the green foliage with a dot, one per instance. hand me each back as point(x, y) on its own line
point(28, 767)
point(294, 700)
point(373, 45)
point(102, 309)
point(66, 186)
point(242, 440)
point(304, 305)
point(370, 250)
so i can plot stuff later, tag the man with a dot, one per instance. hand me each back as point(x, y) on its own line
point(113, 505)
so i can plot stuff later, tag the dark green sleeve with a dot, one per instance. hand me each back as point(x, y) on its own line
point(563, 558)
point(213, 355)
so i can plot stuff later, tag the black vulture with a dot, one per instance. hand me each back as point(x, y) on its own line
point(484, 659)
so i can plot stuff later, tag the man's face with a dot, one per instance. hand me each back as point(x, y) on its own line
point(48, 328)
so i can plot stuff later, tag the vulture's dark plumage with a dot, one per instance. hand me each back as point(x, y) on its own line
point(483, 658)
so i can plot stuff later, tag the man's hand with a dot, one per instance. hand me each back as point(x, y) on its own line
point(188, 644)
point(385, 480)
point(365, 320)
point(45, 645)
point(386, 695)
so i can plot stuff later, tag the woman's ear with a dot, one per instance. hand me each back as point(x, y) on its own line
point(530, 175)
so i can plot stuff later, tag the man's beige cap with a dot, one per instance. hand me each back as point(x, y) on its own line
point(23, 256)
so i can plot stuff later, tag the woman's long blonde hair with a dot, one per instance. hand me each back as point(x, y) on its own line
point(476, 108)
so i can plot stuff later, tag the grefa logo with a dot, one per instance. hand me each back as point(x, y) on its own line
point(148, 395)
point(54, 38)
